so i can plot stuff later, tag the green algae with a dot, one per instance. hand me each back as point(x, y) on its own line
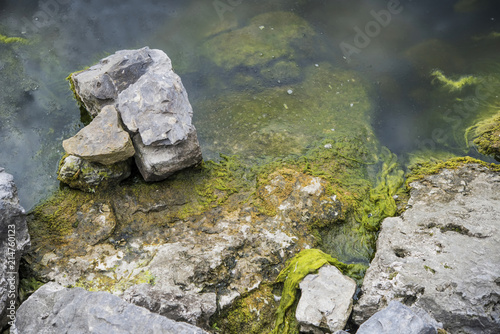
point(11, 40)
point(279, 121)
point(306, 262)
point(454, 85)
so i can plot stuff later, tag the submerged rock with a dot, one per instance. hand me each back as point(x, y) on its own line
point(442, 255)
point(56, 309)
point(326, 301)
point(152, 103)
point(269, 36)
point(102, 141)
point(14, 241)
point(398, 318)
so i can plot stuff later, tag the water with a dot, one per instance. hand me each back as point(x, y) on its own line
point(37, 110)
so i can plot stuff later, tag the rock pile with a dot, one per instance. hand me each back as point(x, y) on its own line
point(140, 109)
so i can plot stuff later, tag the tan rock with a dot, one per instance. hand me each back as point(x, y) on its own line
point(103, 141)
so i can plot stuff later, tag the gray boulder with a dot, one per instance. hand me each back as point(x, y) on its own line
point(103, 141)
point(443, 253)
point(399, 319)
point(14, 240)
point(89, 176)
point(326, 301)
point(152, 103)
point(158, 162)
point(56, 309)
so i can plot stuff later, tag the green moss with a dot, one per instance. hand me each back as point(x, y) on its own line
point(9, 40)
point(422, 169)
point(454, 85)
point(486, 134)
point(306, 262)
point(102, 282)
point(252, 313)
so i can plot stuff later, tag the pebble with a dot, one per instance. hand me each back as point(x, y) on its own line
point(289, 91)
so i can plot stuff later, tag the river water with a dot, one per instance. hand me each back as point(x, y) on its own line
point(393, 45)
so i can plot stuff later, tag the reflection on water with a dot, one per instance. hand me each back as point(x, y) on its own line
point(392, 47)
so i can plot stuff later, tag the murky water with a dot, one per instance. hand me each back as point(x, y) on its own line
point(392, 47)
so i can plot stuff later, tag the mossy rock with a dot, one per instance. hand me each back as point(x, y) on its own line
point(268, 36)
point(487, 136)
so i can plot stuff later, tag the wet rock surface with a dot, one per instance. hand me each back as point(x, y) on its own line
point(56, 309)
point(14, 241)
point(442, 254)
point(326, 301)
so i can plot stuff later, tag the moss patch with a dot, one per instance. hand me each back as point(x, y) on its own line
point(422, 169)
point(487, 136)
point(253, 313)
point(454, 85)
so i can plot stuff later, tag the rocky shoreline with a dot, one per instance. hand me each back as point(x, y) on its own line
point(148, 230)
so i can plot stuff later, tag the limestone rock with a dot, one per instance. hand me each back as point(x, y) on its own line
point(55, 309)
point(103, 141)
point(152, 103)
point(399, 319)
point(326, 301)
point(100, 84)
point(158, 162)
point(442, 255)
point(88, 176)
point(14, 240)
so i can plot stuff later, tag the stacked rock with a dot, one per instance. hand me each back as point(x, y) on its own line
point(141, 110)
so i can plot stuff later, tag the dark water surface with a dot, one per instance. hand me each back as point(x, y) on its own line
point(396, 55)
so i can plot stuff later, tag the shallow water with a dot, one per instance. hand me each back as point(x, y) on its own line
point(37, 111)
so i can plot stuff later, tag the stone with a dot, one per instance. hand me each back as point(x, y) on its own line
point(152, 104)
point(399, 319)
point(89, 176)
point(102, 141)
point(158, 162)
point(56, 309)
point(442, 254)
point(100, 84)
point(14, 241)
point(326, 301)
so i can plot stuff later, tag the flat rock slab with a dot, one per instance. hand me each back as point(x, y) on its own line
point(56, 309)
point(103, 141)
point(443, 253)
point(326, 301)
